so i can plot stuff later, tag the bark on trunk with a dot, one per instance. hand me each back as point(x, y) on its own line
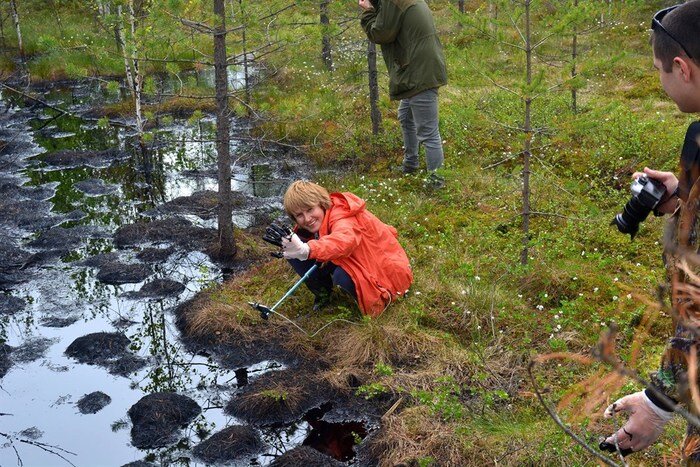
point(325, 38)
point(134, 79)
point(15, 19)
point(527, 128)
point(226, 242)
point(375, 114)
point(574, 72)
point(245, 64)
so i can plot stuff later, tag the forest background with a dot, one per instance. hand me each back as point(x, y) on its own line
point(550, 108)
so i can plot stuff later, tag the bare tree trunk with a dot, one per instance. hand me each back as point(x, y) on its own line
point(2, 29)
point(493, 14)
point(574, 56)
point(134, 78)
point(375, 114)
point(325, 39)
point(460, 3)
point(15, 19)
point(245, 62)
point(227, 243)
point(136, 71)
point(527, 129)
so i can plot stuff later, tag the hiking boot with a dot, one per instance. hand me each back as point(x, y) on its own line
point(435, 181)
point(321, 301)
point(404, 169)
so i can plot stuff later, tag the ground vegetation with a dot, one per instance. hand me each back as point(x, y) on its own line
point(450, 361)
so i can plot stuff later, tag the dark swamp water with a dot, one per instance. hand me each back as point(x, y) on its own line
point(87, 300)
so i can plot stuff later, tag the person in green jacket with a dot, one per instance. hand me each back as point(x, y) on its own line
point(411, 49)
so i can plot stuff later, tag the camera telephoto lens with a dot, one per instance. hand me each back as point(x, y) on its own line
point(646, 195)
point(631, 216)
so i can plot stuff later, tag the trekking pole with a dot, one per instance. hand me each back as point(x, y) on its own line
point(266, 311)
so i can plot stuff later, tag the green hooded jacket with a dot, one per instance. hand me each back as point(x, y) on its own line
point(410, 46)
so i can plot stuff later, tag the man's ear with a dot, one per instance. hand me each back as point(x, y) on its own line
point(685, 67)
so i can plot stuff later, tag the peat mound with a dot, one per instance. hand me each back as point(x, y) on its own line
point(279, 398)
point(10, 305)
point(93, 402)
point(13, 257)
point(155, 255)
point(71, 158)
point(157, 289)
point(95, 187)
point(119, 273)
point(233, 348)
point(63, 239)
point(174, 230)
point(228, 445)
point(35, 193)
point(28, 214)
point(202, 204)
point(32, 349)
point(157, 419)
point(5, 362)
point(58, 321)
point(306, 456)
point(108, 349)
point(99, 260)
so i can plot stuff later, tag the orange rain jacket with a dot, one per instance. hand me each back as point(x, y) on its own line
point(367, 249)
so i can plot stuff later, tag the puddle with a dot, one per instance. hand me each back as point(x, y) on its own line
point(52, 293)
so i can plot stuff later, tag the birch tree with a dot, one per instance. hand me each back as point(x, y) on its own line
point(129, 46)
point(18, 30)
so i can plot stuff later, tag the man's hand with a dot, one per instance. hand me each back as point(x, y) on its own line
point(294, 248)
point(645, 424)
point(670, 182)
point(365, 5)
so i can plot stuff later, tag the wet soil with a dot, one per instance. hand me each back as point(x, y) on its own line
point(93, 402)
point(230, 444)
point(157, 418)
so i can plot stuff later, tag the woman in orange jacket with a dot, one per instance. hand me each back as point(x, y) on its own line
point(357, 251)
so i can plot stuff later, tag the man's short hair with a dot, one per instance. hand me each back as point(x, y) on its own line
point(684, 24)
point(302, 195)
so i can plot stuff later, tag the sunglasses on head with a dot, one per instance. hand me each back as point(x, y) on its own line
point(656, 24)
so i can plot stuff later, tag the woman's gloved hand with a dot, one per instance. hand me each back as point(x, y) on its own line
point(645, 424)
point(295, 248)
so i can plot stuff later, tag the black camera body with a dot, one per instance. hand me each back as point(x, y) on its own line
point(646, 195)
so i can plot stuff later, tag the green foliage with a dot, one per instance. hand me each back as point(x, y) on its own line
point(372, 390)
point(463, 241)
point(277, 396)
point(442, 400)
point(383, 369)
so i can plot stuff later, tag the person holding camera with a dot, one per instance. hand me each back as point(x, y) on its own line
point(358, 252)
point(676, 45)
point(413, 55)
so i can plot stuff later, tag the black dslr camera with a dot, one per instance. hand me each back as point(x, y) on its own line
point(646, 194)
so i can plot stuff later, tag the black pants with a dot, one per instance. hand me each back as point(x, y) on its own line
point(322, 280)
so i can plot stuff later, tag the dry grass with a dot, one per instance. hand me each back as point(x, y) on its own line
point(273, 397)
point(377, 341)
point(416, 434)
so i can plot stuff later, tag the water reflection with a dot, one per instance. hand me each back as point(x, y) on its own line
point(64, 300)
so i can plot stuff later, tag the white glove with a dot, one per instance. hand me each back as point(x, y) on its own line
point(645, 424)
point(295, 248)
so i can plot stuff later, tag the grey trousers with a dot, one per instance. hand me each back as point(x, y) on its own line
point(419, 124)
